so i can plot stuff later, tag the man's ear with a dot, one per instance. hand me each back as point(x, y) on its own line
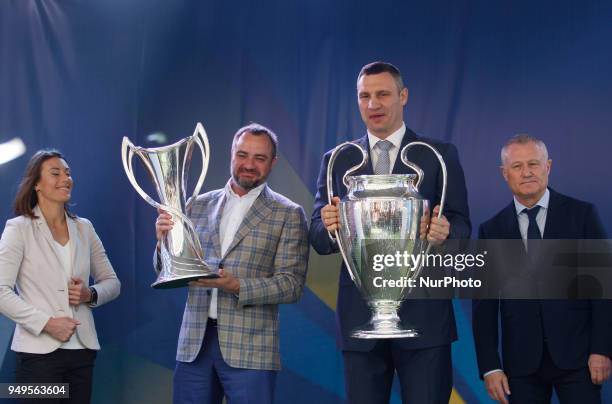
point(404, 96)
point(504, 173)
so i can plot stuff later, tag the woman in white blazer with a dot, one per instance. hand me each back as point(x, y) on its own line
point(49, 254)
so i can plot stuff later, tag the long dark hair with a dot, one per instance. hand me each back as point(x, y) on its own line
point(26, 197)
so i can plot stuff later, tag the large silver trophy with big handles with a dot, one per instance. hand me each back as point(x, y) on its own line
point(383, 215)
point(181, 253)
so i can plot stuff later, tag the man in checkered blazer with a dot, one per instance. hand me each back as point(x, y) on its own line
point(229, 340)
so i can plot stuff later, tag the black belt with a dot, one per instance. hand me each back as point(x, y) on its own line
point(212, 322)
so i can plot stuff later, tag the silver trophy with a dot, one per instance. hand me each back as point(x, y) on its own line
point(383, 215)
point(181, 253)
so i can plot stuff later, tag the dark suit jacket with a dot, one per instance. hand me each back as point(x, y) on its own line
point(573, 329)
point(434, 318)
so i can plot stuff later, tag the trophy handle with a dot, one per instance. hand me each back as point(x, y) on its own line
point(330, 165)
point(127, 154)
point(332, 160)
point(420, 173)
point(201, 139)
point(330, 190)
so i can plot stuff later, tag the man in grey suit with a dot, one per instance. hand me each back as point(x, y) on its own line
point(229, 340)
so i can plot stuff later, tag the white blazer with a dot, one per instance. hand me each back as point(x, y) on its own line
point(29, 260)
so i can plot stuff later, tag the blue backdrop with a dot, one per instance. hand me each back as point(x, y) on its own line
point(80, 74)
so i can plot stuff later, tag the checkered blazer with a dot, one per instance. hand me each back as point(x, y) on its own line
point(269, 255)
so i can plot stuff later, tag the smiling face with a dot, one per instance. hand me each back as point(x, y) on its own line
point(55, 183)
point(526, 169)
point(252, 161)
point(381, 103)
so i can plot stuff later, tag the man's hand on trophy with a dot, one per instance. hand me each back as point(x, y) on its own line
point(163, 224)
point(329, 215)
point(599, 367)
point(424, 225)
point(225, 281)
point(496, 384)
point(439, 228)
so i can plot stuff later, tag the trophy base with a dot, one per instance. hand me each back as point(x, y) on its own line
point(177, 272)
point(385, 322)
point(179, 282)
point(385, 334)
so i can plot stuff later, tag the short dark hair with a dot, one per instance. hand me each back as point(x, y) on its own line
point(26, 198)
point(382, 67)
point(257, 129)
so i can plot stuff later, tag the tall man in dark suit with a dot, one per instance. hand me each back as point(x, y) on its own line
point(546, 343)
point(423, 364)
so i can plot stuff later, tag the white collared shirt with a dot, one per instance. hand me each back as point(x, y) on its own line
point(395, 138)
point(234, 211)
point(523, 219)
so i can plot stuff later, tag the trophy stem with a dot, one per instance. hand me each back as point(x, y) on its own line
point(385, 322)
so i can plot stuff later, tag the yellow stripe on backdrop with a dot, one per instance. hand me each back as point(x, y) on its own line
point(455, 398)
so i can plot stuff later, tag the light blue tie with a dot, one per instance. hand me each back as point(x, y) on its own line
point(383, 163)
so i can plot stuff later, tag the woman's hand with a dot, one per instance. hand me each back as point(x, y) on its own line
point(61, 328)
point(78, 292)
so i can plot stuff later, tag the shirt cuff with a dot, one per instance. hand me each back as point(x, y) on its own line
point(94, 297)
point(491, 372)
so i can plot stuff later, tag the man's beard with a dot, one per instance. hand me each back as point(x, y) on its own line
point(247, 184)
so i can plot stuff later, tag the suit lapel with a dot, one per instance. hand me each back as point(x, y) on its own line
point(214, 217)
point(399, 167)
point(510, 222)
point(74, 240)
point(259, 210)
point(368, 169)
point(554, 218)
point(516, 266)
point(511, 231)
point(46, 232)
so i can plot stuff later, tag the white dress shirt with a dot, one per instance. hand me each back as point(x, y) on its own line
point(234, 211)
point(63, 252)
point(395, 138)
point(523, 219)
point(66, 260)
